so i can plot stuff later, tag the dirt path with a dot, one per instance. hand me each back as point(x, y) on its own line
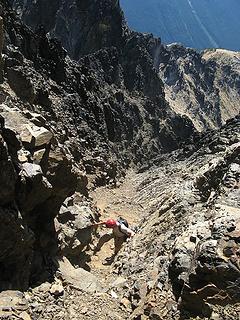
point(119, 201)
point(112, 204)
point(107, 305)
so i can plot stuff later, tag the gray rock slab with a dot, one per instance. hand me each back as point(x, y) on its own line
point(78, 278)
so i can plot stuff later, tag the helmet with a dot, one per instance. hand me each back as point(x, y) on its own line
point(110, 223)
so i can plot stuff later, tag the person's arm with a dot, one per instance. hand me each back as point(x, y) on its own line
point(98, 224)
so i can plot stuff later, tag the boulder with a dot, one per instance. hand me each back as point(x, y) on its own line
point(31, 135)
point(72, 225)
point(78, 278)
point(36, 136)
point(34, 188)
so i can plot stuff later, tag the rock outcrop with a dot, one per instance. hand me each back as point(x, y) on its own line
point(70, 126)
point(203, 86)
point(200, 86)
point(72, 224)
point(63, 119)
point(82, 27)
point(31, 195)
point(184, 260)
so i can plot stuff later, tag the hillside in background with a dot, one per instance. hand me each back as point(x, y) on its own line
point(198, 24)
point(96, 122)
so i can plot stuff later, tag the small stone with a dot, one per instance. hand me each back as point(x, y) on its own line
point(44, 287)
point(57, 289)
point(38, 156)
point(150, 284)
point(23, 156)
point(6, 308)
point(119, 282)
point(84, 310)
point(126, 303)
point(215, 316)
point(193, 239)
point(60, 314)
point(24, 315)
point(113, 294)
point(34, 305)
point(27, 296)
point(118, 184)
point(160, 286)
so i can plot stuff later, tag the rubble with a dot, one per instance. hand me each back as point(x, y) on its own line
point(67, 127)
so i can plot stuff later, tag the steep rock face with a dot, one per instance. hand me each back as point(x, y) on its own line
point(81, 26)
point(15, 250)
point(98, 100)
point(184, 260)
point(104, 112)
point(193, 84)
point(32, 191)
point(203, 86)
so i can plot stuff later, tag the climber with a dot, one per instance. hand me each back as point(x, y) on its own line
point(120, 233)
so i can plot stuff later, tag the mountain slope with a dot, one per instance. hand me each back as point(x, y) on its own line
point(197, 24)
point(204, 86)
point(192, 85)
point(81, 26)
point(184, 260)
point(64, 122)
point(68, 126)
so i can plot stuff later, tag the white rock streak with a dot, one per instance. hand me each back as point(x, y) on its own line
point(212, 41)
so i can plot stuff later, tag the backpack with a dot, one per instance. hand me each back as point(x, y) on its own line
point(123, 221)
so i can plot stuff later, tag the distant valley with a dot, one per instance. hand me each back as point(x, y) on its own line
point(197, 24)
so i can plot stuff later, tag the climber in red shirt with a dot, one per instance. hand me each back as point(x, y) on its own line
point(120, 232)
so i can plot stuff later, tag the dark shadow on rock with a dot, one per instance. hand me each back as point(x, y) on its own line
point(190, 303)
point(109, 260)
point(82, 260)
